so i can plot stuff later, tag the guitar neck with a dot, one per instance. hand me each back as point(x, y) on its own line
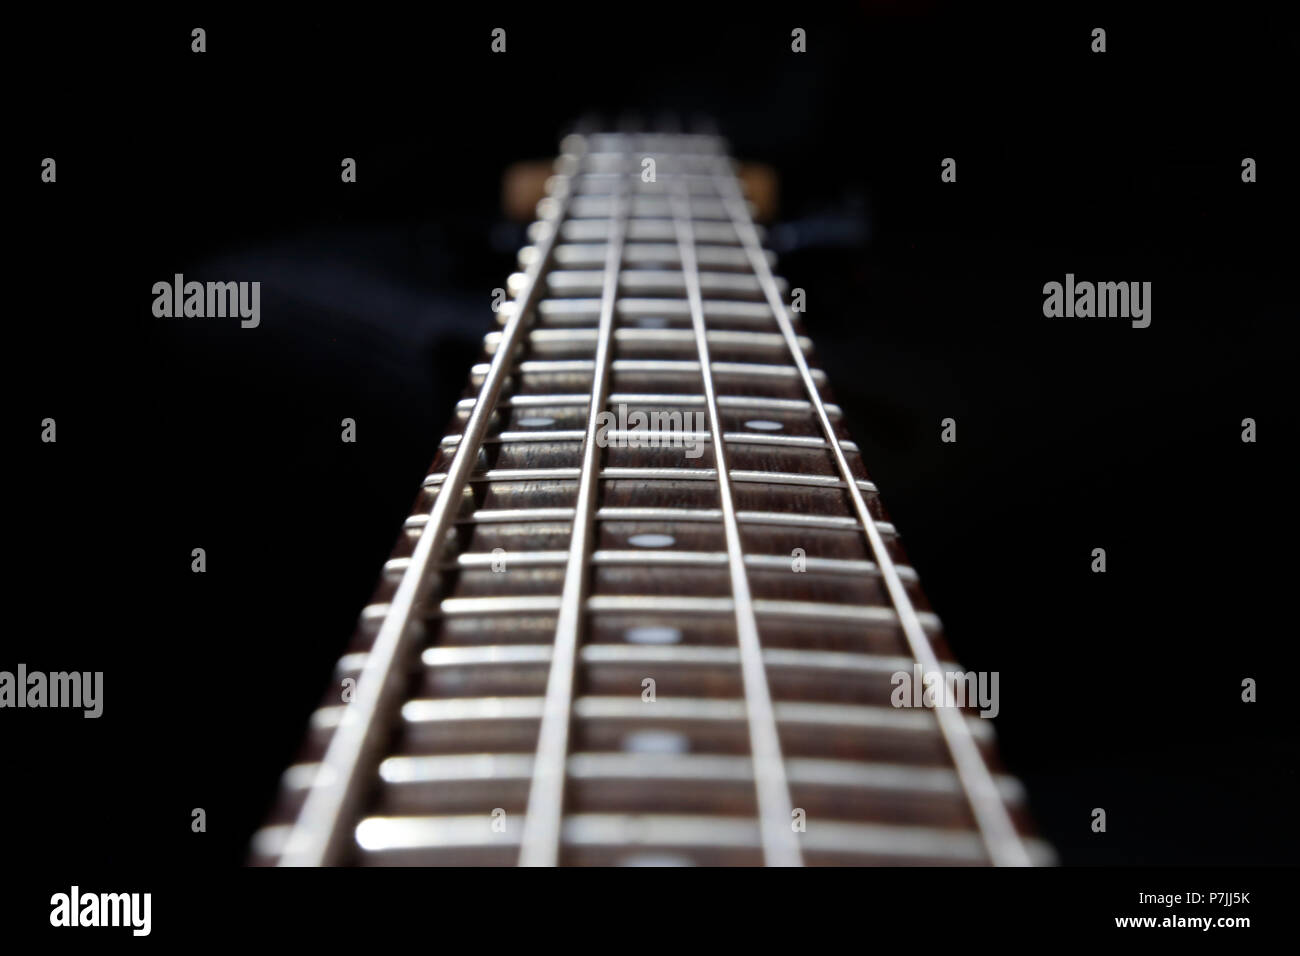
point(648, 606)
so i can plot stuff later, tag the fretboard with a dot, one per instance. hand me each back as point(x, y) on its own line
point(648, 606)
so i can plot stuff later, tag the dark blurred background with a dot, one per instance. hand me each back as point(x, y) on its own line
point(1119, 691)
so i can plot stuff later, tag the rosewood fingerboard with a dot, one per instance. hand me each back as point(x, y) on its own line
point(661, 635)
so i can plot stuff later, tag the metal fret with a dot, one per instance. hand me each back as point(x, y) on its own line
point(780, 845)
point(600, 181)
point(791, 478)
point(625, 832)
point(658, 436)
point(647, 230)
point(585, 336)
point(565, 282)
point(752, 402)
point(658, 604)
point(663, 366)
point(511, 654)
point(540, 844)
point(559, 434)
point(633, 307)
point(675, 830)
point(1004, 844)
point(773, 562)
point(659, 474)
point(649, 207)
point(429, 710)
point(423, 710)
point(660, 514)
point(587, 254)
point(682, 767)
point(513, 474)
point(783, 441)
point(503, 515)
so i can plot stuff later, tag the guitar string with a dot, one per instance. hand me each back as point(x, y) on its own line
point(540, 842)
point(320, 832)
point(1004, 844)
point(775, 811)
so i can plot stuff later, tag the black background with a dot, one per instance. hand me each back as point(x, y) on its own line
point(1119, 691)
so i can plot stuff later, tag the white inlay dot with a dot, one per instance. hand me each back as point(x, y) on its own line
point(536, 421)
point(651, 540)
point(656, 859)
point(764, 425)
point(652, 635)
point(655, 742)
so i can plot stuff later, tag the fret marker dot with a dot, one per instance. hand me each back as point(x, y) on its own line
point(652, 635)
point(536, 421)
point(764, 425)
point(655, 742)
point(656, 859)
point(649, 540)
